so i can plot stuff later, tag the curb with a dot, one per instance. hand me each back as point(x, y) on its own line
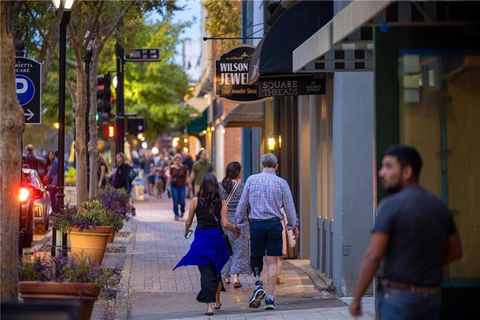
point(122, 302)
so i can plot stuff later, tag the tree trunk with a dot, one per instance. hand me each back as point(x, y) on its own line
point(11, 128)
point(80, 138)
point(92, 145)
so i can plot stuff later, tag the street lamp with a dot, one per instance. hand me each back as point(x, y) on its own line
point(67, 6)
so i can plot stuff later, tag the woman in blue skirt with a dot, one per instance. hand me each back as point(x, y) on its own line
point(209, 250)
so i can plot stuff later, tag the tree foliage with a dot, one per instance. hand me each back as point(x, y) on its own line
point(223, 19)
point(155, 90)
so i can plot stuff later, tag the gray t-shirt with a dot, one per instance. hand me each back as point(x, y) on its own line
point(418, 225)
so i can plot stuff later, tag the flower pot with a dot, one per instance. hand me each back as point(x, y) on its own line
point(111, 237)
point(84, 293)
point(90, 242)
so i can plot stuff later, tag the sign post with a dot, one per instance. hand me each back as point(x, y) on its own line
point(29, 88)
point(138, 55)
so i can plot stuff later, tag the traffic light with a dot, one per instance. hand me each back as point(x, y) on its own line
point(107, 131)
point(111, 131)
point(104, 93)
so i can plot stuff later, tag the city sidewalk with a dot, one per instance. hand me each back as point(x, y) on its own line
point(151, 290)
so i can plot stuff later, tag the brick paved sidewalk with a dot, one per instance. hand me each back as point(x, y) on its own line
point(151, 290)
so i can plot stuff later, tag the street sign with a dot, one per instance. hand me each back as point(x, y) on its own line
point(29, 88)
point(144, 55)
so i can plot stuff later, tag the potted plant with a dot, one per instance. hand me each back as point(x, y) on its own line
point(89, 227)
point(117, 202)
point(63, 278)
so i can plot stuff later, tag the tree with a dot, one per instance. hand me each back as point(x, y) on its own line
point(155, 90)
point(11, 127)
point(92, 24)
point(223, 18)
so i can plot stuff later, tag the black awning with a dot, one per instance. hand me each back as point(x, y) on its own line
point(273, 54)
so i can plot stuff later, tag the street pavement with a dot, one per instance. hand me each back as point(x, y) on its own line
point(151, 290)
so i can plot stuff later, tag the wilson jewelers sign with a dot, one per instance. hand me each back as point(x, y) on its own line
point(231, 76)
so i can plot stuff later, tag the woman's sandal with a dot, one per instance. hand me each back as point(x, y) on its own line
point(227, 280)
point(217, 307)
point(209, 313)
point(237, 284)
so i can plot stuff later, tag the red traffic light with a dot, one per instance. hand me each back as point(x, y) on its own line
point(111, 131)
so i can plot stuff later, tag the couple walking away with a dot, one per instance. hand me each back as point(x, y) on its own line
point(264, 195)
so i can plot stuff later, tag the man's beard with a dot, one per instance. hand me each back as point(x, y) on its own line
point(395, 188)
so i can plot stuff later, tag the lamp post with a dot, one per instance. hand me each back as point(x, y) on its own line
point(67, 6)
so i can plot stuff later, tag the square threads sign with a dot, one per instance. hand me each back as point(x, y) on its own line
point(291, 85)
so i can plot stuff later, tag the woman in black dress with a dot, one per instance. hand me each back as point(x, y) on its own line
point(209, 250)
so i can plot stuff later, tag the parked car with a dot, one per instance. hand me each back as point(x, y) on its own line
point(35, 206)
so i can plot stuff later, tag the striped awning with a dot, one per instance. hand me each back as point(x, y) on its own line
point(338, 45)
point(352, 17)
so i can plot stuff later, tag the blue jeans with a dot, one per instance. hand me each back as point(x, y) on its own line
point(178, 196)
point(402, 305)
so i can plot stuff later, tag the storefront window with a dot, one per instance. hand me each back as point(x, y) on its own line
point(440, 115)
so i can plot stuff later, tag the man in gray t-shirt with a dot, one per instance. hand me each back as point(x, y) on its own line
point(413, 237)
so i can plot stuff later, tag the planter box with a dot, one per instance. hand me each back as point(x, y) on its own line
point(85, 293)
point(90, 242)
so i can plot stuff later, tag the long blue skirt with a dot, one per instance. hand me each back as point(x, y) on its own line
point(208, 248)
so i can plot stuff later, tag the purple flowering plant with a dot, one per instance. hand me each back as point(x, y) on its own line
point(116, 200)
point(88, 214)
point(65, 269)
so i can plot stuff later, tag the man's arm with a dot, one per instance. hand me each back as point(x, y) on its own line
point(242, 205)
point(289, 206)
point(192, 175)
point(453, 249)
point(368, 268)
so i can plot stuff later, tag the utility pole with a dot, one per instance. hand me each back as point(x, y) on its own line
point(87, 59)
point(120, 53)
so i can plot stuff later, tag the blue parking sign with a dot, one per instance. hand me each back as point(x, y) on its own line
point(28, 83)
point(25, 89)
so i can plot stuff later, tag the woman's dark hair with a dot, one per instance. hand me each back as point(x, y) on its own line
point(406, 156)
point(49, 161)
point(209, 191)
point(232, 171)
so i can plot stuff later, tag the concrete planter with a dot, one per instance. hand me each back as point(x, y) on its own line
point(85, 293)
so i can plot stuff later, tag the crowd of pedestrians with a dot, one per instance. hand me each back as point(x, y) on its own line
point(241, 225)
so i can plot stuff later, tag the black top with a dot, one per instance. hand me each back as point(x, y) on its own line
point(418, 225)
point(121, 176)
point(208, 218)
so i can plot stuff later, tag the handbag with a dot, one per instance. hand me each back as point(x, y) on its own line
point(290, 238)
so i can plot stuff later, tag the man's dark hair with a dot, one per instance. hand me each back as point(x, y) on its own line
point(406, 156)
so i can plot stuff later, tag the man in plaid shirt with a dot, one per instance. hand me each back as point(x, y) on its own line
point(266, 194)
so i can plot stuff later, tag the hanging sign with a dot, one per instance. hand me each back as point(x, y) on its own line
point(231, 76)
point(29, 85)
point(291, 85)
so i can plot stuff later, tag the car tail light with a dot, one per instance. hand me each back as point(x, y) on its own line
point(37, 194)
point(23, 194)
